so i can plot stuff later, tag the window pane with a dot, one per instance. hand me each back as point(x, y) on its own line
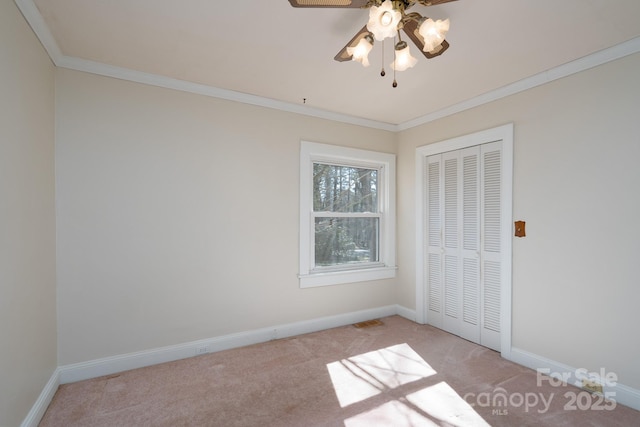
point(344, 189)
point(346, 241)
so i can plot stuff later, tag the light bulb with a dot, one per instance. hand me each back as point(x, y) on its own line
point(383, 20)
point(386, 19)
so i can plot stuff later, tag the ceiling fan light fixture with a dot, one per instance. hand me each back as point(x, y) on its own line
point(360, 52)
point(403, 59)
point(383, 20)
point(386, 19)
point(433, 32)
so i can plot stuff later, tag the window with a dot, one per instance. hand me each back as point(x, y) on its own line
point(347, 215)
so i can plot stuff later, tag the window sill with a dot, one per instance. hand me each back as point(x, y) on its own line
point(346, 276)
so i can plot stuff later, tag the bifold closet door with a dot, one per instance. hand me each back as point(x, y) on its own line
point(462, 268)
point(490, 244)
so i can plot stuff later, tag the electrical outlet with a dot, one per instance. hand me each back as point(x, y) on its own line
point(591, 386)
point(202, 349)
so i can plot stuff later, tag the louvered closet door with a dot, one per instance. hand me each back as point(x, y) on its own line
point(444, 226)
point(462, 269)
point(434, 251)
point(491, 251)
point(451, 242)
point(470, 254)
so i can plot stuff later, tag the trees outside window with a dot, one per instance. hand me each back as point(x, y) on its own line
point(346, 215)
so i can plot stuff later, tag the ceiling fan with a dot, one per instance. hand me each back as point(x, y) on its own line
point(386, 19)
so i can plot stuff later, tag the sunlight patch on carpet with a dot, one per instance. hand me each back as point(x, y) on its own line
point(366, 375)
point(436, 405)
point(392, 413)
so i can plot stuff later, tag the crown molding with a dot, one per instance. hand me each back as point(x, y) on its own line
point(36, 22)
point(40, 28)
point(106, 70)
point(581, 64)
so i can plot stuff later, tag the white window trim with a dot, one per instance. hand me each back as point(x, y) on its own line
point(386, 267)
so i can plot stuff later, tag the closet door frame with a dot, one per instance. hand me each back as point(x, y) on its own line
point(502, 133)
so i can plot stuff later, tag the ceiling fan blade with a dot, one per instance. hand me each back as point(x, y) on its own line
point(343, 56)
point(331, 3)
point(411, 29)
point(433, 2)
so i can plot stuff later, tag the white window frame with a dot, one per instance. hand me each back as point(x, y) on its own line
point(385, 163)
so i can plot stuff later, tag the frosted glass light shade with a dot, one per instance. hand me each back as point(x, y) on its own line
point(404, 59)
point(383, 20)
point(360, 52)
point(433, 33)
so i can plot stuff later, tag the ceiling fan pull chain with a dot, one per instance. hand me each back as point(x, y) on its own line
point(382, 73)
point(395, 83)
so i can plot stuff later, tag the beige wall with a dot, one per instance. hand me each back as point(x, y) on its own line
point(178, 217)
point(27, 218)
point(159, 241)
point(576, 181)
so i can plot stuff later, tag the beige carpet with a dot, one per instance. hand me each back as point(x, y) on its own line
point(395, 374)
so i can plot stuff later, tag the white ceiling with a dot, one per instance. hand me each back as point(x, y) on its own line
point(283, 55)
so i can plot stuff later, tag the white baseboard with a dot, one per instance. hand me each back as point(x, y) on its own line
point(42, 403)
point(406, 313)
point(111, 365)
point(621, 393)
